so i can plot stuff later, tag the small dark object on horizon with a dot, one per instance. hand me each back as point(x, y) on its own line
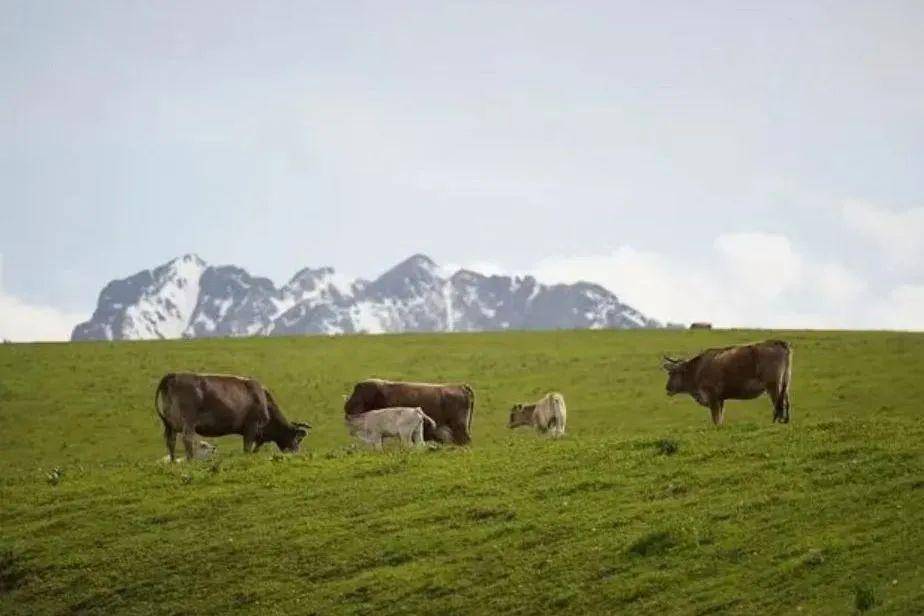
point(701, 325)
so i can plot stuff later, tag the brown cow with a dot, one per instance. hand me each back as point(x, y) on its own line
point(735, 373)
point(218, 404)
point(450, 406)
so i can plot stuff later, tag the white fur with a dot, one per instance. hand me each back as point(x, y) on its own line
point(204, 451)
point(405, 422)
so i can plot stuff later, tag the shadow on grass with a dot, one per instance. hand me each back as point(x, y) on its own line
point(653, 544)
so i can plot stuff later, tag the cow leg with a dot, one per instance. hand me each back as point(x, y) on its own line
point(718, 412)
point(190, 443)
point(377, 443)
point(170, 440)
point(778, 398)
point(460, 435)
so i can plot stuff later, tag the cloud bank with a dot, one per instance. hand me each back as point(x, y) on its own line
point(757, 279)
point(24, 322)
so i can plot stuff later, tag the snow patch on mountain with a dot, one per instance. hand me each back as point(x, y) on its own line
point(187, 298)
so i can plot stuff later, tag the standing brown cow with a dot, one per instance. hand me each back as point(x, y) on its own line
point(219, 404)
point(450, 406)
point(735, 373)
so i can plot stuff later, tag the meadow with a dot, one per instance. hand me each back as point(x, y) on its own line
point(644, 507)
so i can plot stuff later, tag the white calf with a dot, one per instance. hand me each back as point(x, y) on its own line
point(204, 451)
point(547, 415)
point(405, 422)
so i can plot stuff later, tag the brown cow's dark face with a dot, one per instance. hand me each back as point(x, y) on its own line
point(359, 400)
point(292, 442)
point(675, 374)
point(519, 416)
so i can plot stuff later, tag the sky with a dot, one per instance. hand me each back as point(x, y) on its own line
point(749, 164)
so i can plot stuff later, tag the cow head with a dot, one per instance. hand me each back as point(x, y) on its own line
point(360, 400)
point(675, 375)
point(520, 415)
point(289, 439)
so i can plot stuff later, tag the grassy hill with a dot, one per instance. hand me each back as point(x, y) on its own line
point(643, 508)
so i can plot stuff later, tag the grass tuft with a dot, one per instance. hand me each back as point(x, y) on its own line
point(667, 446)
point(12, 569)
point(865, 598)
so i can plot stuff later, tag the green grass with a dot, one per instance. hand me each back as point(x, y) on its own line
point(643, 508)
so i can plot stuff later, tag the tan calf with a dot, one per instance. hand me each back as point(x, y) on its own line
point(549, 414)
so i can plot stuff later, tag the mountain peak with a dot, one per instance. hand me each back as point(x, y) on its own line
point(187, 298)
point(310, 274)
point(417, 262)
point(188, 258)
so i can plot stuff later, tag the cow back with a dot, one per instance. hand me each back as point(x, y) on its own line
point(447, 405)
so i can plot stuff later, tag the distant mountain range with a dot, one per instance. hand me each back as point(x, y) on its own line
point(188, 298)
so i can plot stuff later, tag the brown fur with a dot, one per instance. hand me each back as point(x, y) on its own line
point(735, 373)
point(217, 405)
point(450, 406)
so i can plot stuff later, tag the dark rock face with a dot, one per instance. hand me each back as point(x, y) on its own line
point(187, 298)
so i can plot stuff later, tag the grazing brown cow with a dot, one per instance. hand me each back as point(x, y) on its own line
point(735, 373)
point(218, 404)
point(449, 406)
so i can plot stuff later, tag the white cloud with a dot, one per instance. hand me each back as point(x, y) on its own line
point(23, 322)
point(747, 280)
point(903, 308)
point(648, 280)
point(762, 264)
point(897, 233)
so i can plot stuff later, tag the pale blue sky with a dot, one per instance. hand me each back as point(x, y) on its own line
point(629, 142)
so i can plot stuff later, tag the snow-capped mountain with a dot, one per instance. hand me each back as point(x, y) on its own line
point(188, 298)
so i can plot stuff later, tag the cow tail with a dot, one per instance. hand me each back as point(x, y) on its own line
point(159, 394)
point(787, 373)
point(470, 394)
point(426, 417)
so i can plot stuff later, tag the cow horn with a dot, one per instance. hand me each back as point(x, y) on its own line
point(302, 424)
point(672, 360)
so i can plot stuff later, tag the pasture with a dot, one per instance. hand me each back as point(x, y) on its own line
point(644, 506)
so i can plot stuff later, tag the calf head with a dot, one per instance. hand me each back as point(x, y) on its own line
point(521, 415)
point(676, 372)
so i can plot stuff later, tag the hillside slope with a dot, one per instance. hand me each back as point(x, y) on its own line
point(643, 508)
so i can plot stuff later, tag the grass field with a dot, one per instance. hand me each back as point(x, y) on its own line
point(643, 508)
